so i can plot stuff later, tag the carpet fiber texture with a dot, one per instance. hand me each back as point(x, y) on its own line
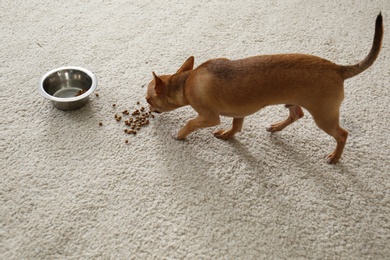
point(71, 189)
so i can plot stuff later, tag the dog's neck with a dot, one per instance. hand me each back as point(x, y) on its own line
point(176, 88)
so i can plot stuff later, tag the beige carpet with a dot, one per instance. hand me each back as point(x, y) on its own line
point(71, 189)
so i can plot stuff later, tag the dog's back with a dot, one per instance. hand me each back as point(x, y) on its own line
point(285, 78)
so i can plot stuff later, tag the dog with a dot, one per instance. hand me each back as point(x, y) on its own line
point(238, 88)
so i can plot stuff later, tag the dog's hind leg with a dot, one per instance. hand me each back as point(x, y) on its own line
point(295, 113)
point(327, 118)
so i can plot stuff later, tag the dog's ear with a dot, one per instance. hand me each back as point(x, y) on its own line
point(187, 65)
point(159, 85)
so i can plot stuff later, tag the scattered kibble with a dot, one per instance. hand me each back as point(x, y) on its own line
point(134, 120)
point(97, 94)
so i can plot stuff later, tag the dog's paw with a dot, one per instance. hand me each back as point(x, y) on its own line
point(174, 135)
point(331, 159)
point(177, 136)
point(223, 134)
point(272, 128)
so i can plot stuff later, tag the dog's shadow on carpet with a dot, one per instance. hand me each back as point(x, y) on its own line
point(280, 147)
point(207, 168)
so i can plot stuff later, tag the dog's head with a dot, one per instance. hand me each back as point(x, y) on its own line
point(161, 94)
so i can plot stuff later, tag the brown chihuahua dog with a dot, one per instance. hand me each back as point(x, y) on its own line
point(238, 88)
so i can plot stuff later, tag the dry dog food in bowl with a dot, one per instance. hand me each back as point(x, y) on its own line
point(68, 87)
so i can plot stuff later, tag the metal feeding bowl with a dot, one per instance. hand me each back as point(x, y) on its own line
point(68, 87)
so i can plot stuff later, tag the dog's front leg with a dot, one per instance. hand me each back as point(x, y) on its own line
point(228, 134)
point(201, 121)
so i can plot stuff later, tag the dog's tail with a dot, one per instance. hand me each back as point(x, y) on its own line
point(353, 70)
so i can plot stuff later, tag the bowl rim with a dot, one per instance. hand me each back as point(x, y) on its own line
point(71, 99)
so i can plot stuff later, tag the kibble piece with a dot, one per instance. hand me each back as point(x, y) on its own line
point(97, 94)
point(137, 102)
point(126, 141)
point(80, 92)
point(114, 105)
point(100, 123)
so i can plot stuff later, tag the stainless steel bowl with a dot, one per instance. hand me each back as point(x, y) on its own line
point(68, 87)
